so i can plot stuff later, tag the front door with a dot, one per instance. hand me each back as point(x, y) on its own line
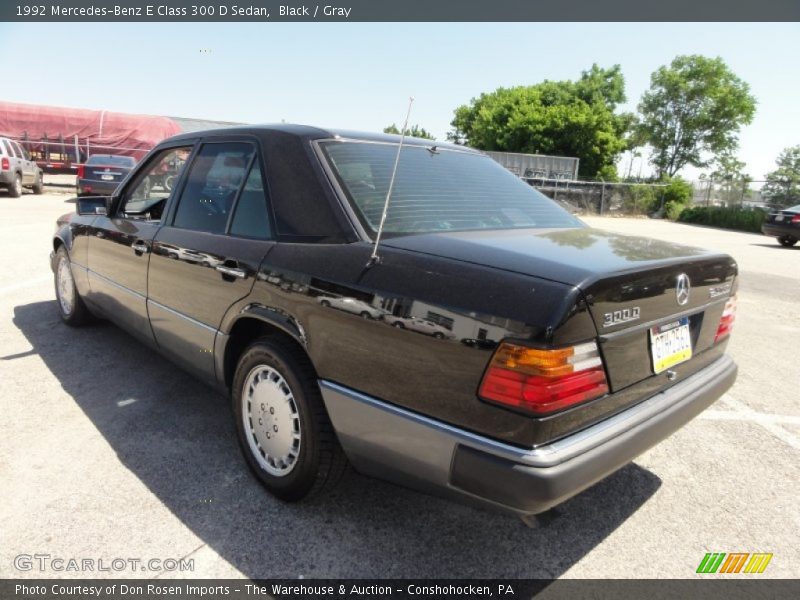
point(206, 257)
point(120, 244)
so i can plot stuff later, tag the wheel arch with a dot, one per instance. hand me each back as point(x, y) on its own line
point(253, 322)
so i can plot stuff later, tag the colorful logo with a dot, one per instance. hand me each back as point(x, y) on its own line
point(734, 562)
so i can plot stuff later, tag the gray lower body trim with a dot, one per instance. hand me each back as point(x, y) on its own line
point(392, 443)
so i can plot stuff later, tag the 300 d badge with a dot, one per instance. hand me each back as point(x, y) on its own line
point(624, 315)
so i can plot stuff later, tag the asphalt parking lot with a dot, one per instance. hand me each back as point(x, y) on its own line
point(107, 451)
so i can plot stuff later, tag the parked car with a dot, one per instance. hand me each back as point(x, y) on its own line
point(420, 326)
point(351, 305)
point(102, 173)
point(783, 224)
point(581, 382)
point(17, 170)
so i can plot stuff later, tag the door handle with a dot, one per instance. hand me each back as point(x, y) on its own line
point(231, 271)
point(140, 247)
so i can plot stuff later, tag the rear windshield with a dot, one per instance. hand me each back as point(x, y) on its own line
point(438, 190)
point(111, 161)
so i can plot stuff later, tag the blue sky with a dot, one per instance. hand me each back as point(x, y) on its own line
point(359, 75)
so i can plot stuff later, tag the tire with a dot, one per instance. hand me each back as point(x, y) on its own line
point(325, 303)
point(38, 184)
point(365, 315)
point(398, 324)
point(787, 241)
point(307, 458)
point(15, 189)
point(438, 335)
point(71, 307)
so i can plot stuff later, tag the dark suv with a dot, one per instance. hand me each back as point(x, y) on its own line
point(595, 346)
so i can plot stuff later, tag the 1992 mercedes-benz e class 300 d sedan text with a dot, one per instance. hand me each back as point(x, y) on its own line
point(569, 350)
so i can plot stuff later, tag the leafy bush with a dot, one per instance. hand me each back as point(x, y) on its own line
point(678, 191)
point(673, 209)
point(740, 219)
point(640, 199)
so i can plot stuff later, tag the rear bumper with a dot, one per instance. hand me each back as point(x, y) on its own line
point(778, 230)
point(391, 443)
point(7, 177)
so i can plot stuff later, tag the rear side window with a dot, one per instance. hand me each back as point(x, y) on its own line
point(250, 217)
point(216, 175)
point(9, 149)
point(438, 189)
point(18, 149)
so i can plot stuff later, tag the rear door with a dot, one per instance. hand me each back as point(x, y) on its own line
point(207, 255)
point(120, 244)
point(26, 164)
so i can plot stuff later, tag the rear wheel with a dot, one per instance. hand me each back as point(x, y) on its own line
point(787, 241)
point(70, 304)
point(15, 189)
point(283, 428)
point(398, 324)
point(38, 184)
point(365, 315)
point(438, 335)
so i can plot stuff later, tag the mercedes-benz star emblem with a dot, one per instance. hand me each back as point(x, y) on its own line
point(682, 289)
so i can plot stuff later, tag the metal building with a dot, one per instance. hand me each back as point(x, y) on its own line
point(538, 166)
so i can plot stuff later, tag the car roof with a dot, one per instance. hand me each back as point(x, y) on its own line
point(318, 133)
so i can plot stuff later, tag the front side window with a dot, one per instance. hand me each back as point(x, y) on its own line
point(148, 196)
point(438, 189)
point(213, 183)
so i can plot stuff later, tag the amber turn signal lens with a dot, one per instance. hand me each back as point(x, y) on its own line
point(543, 381)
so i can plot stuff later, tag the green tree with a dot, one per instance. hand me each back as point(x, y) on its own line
point(561, 118)
point(783, 184)
point(732, 182)
point(694, 107)
point(414, 131)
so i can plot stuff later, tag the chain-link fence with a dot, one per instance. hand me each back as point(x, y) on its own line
point(608, 199)
point(746, 193)
point(603, 197)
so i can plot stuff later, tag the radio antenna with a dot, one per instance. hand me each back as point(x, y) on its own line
point(374, 258)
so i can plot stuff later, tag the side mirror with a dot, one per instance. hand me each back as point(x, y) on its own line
point(93, 205)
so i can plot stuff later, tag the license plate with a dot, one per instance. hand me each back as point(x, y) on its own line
point(670, 344)
point(107, 177)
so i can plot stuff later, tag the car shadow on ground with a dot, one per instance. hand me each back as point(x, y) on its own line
point(777, 246)
point(177, 437)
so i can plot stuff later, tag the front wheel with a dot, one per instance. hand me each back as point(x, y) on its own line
point(38, 184)
point(71, 307)
point(281, 422)
point(787, 241)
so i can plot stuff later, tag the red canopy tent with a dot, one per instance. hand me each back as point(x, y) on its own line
point(58, 137)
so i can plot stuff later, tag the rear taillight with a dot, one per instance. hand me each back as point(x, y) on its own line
point(727, 319)
point(796, 219)
point(81, 171)
point(5, 165)
point(543, 381)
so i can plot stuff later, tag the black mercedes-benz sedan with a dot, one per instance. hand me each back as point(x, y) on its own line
point(593, 346)
point(783, 224)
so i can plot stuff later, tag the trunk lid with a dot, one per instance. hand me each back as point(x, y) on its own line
point(630, 283)
point(110, 173)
